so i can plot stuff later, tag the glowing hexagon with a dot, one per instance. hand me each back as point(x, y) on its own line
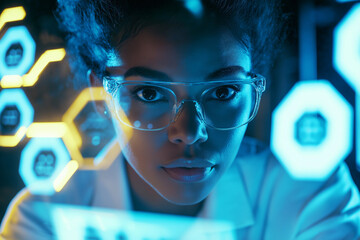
point(17, 51)
point(111, 150)
point(42, 161)
point(346, 59)
point(15, 98)
point(319, 159)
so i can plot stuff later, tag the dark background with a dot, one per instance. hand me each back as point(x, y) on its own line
point(54, 92)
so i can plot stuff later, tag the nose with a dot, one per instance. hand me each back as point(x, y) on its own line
point(188, 126)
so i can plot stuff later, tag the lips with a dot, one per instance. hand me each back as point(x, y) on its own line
point(185, 170)
point(183, 174)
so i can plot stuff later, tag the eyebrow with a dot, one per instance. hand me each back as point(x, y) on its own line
point(146, 73)
point(226, 72)
point(154, 74)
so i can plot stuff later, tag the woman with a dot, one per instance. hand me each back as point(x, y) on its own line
point(186, 79)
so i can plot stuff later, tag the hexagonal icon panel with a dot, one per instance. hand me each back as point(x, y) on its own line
point(16, 112)
point(42, 160)
point(346, 58)
point(92, 131)
point(96, 131)
point(312, 130)
point(17, 51)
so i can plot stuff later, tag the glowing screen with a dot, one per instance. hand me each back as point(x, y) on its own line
point(73, 222)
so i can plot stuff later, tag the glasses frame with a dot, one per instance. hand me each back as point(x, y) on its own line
point(113, 84)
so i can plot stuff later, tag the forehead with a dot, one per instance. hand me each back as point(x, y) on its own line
point(183, 50)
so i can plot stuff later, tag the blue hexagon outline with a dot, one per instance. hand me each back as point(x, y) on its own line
point(31, 150)
point(18, 97)
point(283, 143)
point(346, 59)
point(22, 35)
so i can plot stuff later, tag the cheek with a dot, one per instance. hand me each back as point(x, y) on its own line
point(225, 145)
point(142, 150)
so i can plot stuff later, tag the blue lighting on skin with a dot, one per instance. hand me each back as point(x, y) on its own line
point(312, 161)
point(194, 6)
point(346, 58)
point(78, 222)
point(42, 185)
point(21, 35)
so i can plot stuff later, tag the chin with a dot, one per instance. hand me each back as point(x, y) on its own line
point(183, 194)
point(183, 200)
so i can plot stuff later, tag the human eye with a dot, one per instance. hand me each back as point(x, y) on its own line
point(224, 92)
point(149, 94)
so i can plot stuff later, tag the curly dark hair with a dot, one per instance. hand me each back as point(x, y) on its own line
point(92, 26)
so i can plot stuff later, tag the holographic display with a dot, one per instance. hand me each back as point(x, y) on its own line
point(346, 58)
point(312, 130)
point(16, 115)
point(42, 161)
point(93, 131)
point(17, 51)
point(84, 223)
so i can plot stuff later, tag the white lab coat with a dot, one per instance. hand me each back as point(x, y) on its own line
point(256, 194)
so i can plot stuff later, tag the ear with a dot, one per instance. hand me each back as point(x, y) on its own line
point(93, 79)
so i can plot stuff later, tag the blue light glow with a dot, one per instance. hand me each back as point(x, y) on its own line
point(18, 35)
point(312, 161)
point(41, 161)
point(194, 6)
point(342, 1)
point(346, 59)
point(18, 98)
point(74, 222)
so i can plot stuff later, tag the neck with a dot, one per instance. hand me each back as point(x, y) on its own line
point(144, 198)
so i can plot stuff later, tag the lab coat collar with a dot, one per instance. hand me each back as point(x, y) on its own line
point(112, 188)
point(233, 197)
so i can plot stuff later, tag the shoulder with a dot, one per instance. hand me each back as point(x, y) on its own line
point(308, 209)
point(30, 215)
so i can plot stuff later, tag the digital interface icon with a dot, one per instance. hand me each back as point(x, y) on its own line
point(312, 130)
point(42, 162)
point(9, 119)
point(93, 132)
point(44, 165)
point(17, 51)
point(14, 55)
point(16, 114)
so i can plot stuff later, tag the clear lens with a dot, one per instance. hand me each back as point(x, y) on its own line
point(229, 105)
point(146, 106)
point(152, 106)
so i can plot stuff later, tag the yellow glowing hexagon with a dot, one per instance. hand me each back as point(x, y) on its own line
point(112, 149)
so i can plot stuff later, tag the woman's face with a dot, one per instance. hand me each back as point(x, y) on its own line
point(183, 162)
